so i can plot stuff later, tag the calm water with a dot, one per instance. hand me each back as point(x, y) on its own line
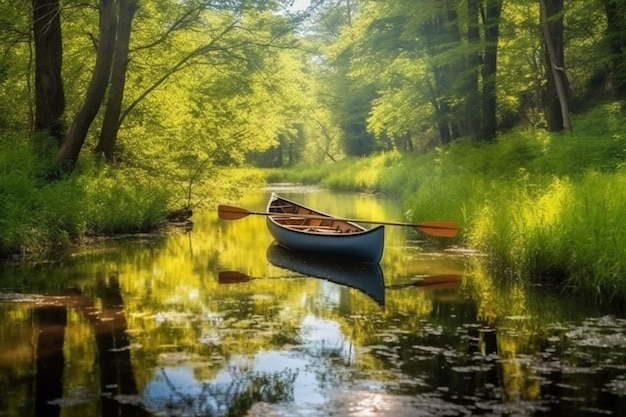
point(213, 323)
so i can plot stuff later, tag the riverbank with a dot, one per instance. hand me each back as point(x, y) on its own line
point(546, 206)
point(39, 217)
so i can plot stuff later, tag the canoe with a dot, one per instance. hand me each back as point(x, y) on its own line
point(363, 276)
point(303, 229)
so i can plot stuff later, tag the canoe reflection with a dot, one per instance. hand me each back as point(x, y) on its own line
point(365, 277)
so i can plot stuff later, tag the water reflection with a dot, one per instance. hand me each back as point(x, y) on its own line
point(365, 277)
point(233, 392)
point(147, 328)
point(108, 331)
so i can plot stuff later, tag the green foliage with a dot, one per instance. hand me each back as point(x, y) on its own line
point(122, 201)
point(302, 174)
point(38, 215)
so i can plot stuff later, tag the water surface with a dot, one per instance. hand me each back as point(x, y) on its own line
point(204, 323)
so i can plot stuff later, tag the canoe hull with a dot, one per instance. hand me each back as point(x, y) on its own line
point(363, 276)
point(362, 245)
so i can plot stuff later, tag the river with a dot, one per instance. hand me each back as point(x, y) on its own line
point(217, 321)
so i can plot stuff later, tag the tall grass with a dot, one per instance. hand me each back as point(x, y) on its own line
point(122, 201)
point(566, 231)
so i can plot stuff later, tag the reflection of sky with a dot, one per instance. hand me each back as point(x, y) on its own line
point(170, 384)
point(332, 292)
point(322, 334)
point(300, 5)
point(169, 381)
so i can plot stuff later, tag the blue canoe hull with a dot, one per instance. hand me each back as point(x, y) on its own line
point(363, 276)
point(359, 245)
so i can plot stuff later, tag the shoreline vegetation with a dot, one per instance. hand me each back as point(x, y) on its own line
point(550, 207)
point(545, 206)
point(98, 202)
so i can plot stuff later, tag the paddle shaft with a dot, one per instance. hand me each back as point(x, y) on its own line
point(438, 228)
point(432, 281)
point(235, 277)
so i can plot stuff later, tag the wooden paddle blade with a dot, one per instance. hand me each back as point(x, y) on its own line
point(232, 277)
point(231, 212)
point(432, 282)
point(438, 228)
point(440, 282)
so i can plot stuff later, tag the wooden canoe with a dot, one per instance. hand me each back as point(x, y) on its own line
point(303, 229)
point(363, 276)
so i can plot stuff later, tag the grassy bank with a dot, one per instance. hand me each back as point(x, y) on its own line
point(38, 216)
point(548, 206)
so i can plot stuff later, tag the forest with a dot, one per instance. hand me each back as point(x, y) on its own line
point(117, 114)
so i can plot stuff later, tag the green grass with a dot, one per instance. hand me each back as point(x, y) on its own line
point(351, 174)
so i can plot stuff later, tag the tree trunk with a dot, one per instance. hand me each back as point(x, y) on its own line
point(553, 39)
point(473, 66)
point(443, 123)
point(68, 154)
point(112, 120)
point(616, 36)
point(491, 22)
point(436, 32)
point(49, 94)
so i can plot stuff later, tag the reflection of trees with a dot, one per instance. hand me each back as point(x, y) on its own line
point(116, 372)
point(422, 342)
point(231, 399)
point(110, 330)
point(49, 360)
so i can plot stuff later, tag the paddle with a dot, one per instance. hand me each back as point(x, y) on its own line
point(236, 277)
point(439, 282)
point(433, 228)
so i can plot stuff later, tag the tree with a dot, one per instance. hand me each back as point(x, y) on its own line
point(557, 105)
point(471, 85)
point(439, 33)
point(616, 39)
point(73, 143)
point(112, 120)
point(113, 56)
point(350, 96)
point(406, 71)
point(491, 22)
point(441, 54)
point(49, 93)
